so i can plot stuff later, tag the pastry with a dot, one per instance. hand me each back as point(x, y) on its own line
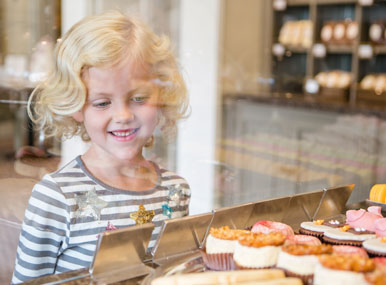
point(318, 227)
point(347, 236)
point(257, 250)
point(364, 219)
point(342, 269)
point(339, 31)
point(349, 250)
point(326, 32)
point(299, 260)
point(302, 239)
point(266, 227)
point(368, 83)
point(351, 31)
point(375, 246)
point(378, 191)
point(219, 248)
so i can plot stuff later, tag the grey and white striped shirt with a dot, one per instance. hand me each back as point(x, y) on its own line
point(59, 234)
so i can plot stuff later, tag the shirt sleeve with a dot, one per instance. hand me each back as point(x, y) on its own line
point(43, 232)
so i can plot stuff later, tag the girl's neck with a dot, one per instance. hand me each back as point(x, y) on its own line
point(136, 175)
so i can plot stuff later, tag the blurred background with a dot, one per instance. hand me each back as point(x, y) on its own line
point(287, 96)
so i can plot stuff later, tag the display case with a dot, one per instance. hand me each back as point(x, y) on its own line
point(121, 258)
point(330, 50)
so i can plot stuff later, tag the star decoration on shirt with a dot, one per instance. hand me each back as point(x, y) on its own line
point(142, 216)
point(89, 205)
point(175, 193)
point(166, 210)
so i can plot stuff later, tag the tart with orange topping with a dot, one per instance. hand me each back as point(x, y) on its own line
point(300, 260)
point(342, 269)
point(219, 247)
point(258, 250)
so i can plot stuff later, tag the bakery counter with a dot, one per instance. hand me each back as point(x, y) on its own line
point(122, 257)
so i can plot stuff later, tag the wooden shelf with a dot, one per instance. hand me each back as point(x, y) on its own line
point(334, 2)
point(339, 49)
point(381, 49)
point(348, 56)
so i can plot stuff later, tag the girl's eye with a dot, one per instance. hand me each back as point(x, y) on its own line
point(139, 99)
point(101, 104)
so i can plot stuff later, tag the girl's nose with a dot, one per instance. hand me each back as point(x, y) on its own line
point(124, 114)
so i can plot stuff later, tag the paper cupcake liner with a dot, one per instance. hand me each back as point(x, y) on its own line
point(311, 233)
point(306, 279)
point(341, 242)
point(218, 261)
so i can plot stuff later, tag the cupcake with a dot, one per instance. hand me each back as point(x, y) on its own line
point(378, 276)
point(364, 219)
point(318, 227)
point(219, 248)
point(342, 269)
point(377, 246)
point(302, 239)
point(347, 236)
point(267, 227)
point(349, 250)
point(257, 250)
point(300, 260)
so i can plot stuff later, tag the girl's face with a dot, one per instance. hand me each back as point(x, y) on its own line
point(121, 111)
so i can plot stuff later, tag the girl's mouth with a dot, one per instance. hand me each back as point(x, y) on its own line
point(124, 133)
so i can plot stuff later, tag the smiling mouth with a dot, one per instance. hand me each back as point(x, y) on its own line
point(124, 133)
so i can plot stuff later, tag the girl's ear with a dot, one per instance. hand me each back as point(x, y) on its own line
point(78, 116)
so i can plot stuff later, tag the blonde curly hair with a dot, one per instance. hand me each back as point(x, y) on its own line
point(103, 41)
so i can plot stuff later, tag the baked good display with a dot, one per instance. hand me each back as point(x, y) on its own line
point(300, 260)
point(257, 250)
point(377, 84)
point(334, 79)
point(339, 32)
point(219, 248)
point(267, 227)
point(296, 34)
point(377, 32)
point(318, 227)
point(342, 269)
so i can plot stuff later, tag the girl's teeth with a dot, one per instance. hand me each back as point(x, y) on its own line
point(123, 134)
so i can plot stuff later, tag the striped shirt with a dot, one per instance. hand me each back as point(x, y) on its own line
point(70, 207)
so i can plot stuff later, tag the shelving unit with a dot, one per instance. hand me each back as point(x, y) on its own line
point(295, 65)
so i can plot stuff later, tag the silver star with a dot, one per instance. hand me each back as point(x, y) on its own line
point(89, 204)
point(175, 193)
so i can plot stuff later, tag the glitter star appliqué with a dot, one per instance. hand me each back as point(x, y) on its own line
point(142, 216)
point(89, 205)
point(175, 193)
point(167, 211)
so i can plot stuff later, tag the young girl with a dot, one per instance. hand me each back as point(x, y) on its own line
point(114, 82)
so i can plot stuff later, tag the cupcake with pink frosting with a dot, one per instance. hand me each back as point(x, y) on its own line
point(266, 227)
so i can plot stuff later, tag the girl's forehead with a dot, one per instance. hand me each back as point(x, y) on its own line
point(134, 72)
